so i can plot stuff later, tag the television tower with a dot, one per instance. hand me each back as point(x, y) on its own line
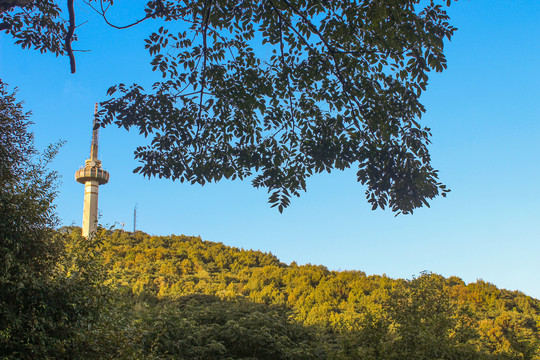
point(91, 175)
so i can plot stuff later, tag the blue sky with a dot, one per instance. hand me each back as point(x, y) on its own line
point(484, 112)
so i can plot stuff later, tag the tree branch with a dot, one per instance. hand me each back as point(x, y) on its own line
point(205, 54)
point(333, 53)
point(290, 26)
point(69, 35)
point(103, 14)
point(286, 68)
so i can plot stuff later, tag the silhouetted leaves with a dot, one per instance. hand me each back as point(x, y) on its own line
point(279, 90)
point(276, 91)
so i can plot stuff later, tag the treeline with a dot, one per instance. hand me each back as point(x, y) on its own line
point(199, 299)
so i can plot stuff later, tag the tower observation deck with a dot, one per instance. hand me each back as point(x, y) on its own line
point(91, 175)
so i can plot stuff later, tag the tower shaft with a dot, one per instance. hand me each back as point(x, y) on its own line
point(90, 210)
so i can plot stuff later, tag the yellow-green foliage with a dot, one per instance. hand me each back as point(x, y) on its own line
point(353, 316)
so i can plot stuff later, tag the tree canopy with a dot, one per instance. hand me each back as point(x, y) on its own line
point(42, 302)
point(275, 91)
point(193, 299)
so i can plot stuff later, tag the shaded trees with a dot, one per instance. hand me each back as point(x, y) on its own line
point(31, 307)
point(42, 301)
point(206, 327)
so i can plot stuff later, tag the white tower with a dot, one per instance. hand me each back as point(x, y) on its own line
point(91, 175)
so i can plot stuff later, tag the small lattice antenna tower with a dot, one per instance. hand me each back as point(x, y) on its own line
point(135, 219)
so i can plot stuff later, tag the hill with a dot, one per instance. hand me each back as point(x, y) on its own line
point(182, 297)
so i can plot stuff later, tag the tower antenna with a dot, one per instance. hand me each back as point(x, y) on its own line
point(95, 136)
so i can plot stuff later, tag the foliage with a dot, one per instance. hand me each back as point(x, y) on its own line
point(34, 24)
point(277, 91)
point(205, 327)
point(41, 304)
point(26, 218)
point(188, 298)
point(282, 89)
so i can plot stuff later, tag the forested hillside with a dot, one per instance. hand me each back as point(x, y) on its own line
point(180, 297)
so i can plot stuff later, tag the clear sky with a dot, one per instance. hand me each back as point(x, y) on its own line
point(484, 112)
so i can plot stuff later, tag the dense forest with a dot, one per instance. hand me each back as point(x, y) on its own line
point(179, 297)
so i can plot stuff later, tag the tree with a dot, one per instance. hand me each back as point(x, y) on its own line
point(427, 324)
point(279, 90)
point(27, 190)
point(27, 249)
point(41, 305)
